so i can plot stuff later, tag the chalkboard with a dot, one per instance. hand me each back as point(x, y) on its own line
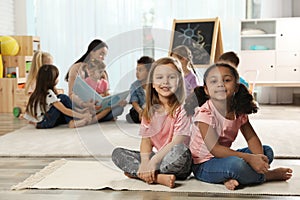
point(202, 37)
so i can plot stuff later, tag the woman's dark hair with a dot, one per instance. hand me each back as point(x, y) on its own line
point(242, 103)
point(46, 80)
point(93, 46)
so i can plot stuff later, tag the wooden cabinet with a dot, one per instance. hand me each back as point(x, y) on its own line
point(8, 87)
point(271, 47)
point(19, 63)
point(10, 94)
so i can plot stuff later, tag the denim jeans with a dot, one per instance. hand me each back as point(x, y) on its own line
point(54, 117)
point(218, 170)
point(116, 111)
point(178, 161)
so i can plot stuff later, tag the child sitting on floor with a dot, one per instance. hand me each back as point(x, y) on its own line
point(97, 78)
point(137, 90)
point(221, 109)
point(39, 58)
point(46, 109)
point(165, 130)
point(232, 59)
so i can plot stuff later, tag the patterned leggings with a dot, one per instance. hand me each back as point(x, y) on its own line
point(178, 161)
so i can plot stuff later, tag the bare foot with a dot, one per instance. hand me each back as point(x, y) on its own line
point(166, 179)
point(77, 123)
point(163, 179)
point(231, 184)
point(33, 123)
point(279, 174)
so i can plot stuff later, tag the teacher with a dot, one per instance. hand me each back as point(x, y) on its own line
point(97, 49)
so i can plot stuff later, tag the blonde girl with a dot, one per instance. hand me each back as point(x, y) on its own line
point(39, 58)
point(221, 109)
point(184, 55)
point(165, 130)
point(97, 77)
point(46, 109)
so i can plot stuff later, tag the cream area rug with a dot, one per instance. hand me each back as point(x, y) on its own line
point(100, 139)
point(93, 140)
point(281, 135)
point(95, 175)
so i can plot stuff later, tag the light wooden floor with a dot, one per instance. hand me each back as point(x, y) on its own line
point(16, 169)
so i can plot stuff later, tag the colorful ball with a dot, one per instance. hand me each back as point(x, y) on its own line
point(17, 111)
point(9, 46)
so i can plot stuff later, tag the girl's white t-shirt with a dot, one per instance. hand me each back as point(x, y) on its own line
point(50, 99)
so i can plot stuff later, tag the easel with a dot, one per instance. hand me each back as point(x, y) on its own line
point(209, 39)
point(219, 42)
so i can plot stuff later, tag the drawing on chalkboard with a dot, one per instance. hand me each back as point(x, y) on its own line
point(202, 37)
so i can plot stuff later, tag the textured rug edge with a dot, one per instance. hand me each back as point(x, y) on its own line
point(188, 186)
point(40, 175)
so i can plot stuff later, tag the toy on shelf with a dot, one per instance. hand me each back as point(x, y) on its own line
point(9, 46)
point(17, 111)
point(1, 65)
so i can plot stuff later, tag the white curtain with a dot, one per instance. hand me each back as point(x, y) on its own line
point(7, 17)
point(66, 27)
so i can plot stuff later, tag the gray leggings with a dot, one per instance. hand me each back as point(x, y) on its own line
point(178, 161)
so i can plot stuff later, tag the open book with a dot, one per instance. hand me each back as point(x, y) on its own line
point(87, 93)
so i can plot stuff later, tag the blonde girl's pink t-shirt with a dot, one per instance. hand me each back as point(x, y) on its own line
point(101, 86)
point(227, 130)
point(162, 128)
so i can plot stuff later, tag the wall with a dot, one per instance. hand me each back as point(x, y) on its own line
point(276, 8)
point(7, 12)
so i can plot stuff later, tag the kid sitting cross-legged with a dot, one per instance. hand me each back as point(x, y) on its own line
point(221, 109)
point(46, 109)
point(165, 130)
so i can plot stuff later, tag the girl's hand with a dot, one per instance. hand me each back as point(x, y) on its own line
point(87, 116)
point(146, 172)
point(123, 103)
point(259, 163)
point(91, 105)
point(97, 107)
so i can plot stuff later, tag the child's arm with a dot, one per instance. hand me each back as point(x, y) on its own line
point(138, 109)
point(71, 113)
point(255, 146)
point(145, 171)
point(102, 113)
point(252, 139)
point(257, 161)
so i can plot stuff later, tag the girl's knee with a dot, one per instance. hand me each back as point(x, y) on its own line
point(268, 151)
point(64, 98)
point(118, 110)
point(117, 151)
point(178, 161)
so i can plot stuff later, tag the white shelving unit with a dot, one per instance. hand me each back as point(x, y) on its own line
point(272, 48)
